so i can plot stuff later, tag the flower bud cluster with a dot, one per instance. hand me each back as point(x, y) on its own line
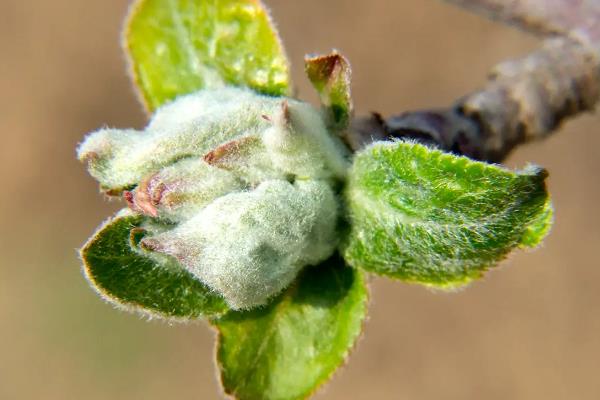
point(241, 186)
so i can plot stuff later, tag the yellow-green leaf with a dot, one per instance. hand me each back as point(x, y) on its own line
point(425, 216)
point(180, 46)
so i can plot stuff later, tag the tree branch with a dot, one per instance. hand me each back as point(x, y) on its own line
point(523, 100)
point(577, 19)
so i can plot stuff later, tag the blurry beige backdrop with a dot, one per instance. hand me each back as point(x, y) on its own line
point(530, 330)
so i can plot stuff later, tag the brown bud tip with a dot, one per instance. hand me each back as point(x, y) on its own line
point(112, 192)
point(150, 244)
point(141, 200)
point(321, 68)
point(285, 112)
point(128, 197)
point(157, 193)
point(229, 151)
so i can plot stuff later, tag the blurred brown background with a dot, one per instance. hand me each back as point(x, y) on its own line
point(531, 330)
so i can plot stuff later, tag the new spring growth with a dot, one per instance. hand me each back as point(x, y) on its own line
point(240, 188)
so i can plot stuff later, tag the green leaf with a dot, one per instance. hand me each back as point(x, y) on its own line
point(330, 75)
point(425, 216)
point(126, 278)
point(539, 228)
point(287, 349)
point(177, 47)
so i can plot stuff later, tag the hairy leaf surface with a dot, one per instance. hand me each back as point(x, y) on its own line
point(180, 46)
point(287, 349)
point(128, 279)
point(430, 217)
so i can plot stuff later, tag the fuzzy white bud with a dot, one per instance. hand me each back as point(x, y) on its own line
point(248, 246)
point(241, 183)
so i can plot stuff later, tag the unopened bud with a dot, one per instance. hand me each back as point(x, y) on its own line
point(238, 186)
point(249, 246)
point(178, 192)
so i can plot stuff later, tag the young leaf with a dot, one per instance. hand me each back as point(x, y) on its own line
point(425, 216)
point(537, 231)
point(180, 46)
point(132, 281)
point(330, 75)
point(287, 349)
